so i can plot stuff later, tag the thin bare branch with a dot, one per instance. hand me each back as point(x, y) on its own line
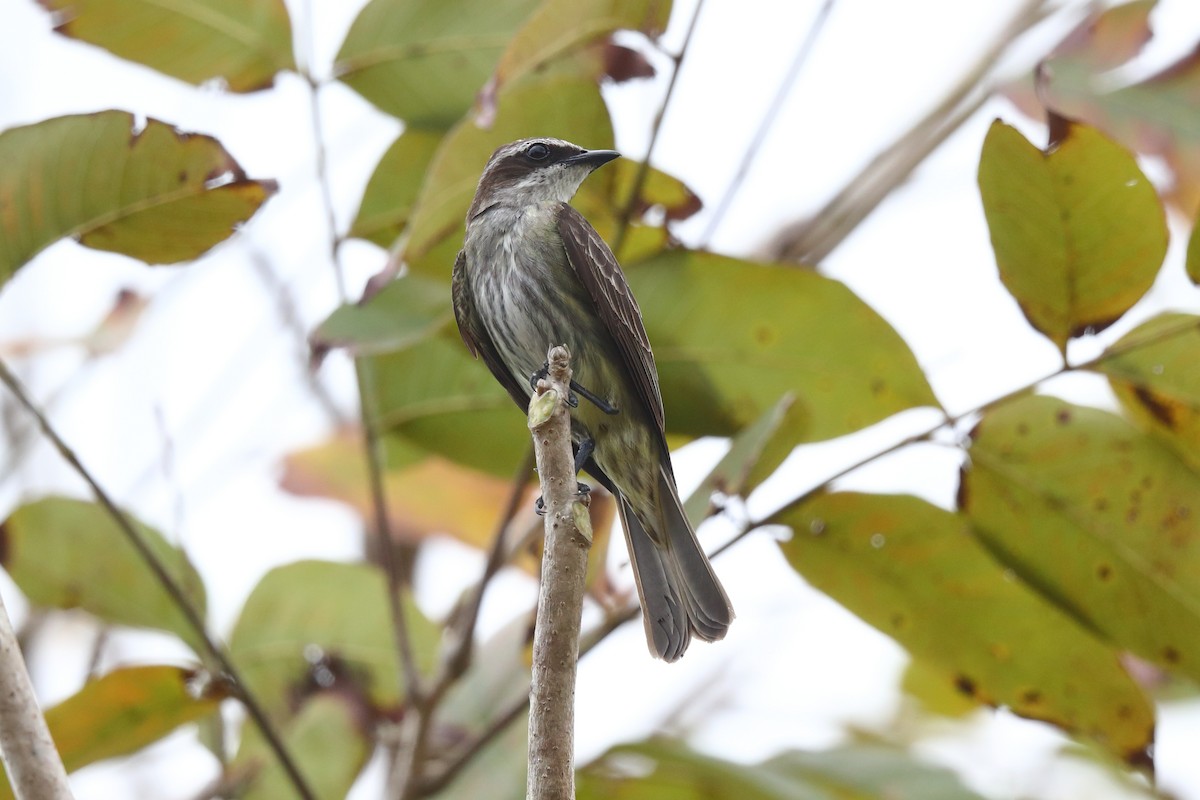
point(289, 315)
point(373, 447)
point(372, 440)
point(172, 587)
point(464, 625)
point(34, 767)
point(810, 240)
point(768, 120)
point(639, 180)
point(496, 727)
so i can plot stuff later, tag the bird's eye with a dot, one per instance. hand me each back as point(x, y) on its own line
point(537, 151)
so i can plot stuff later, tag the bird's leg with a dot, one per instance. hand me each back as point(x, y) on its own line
point(583, 451)
point(573, 401)
point(595, 399)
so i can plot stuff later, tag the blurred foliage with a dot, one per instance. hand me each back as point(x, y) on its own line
point(312, 622)
point(121, 712)
point(241, 43)
point(661, 769)
point(1074, 539)
point(1155, 116)
point(142, 189)
point(330, 739)
point(65, 553)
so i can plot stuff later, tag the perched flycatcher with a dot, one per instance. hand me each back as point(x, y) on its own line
point(532, 274)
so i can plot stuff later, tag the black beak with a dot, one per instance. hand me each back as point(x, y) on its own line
point(592, 158)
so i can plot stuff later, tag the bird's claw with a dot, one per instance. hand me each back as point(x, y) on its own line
point(581, 490)
point(573, 401)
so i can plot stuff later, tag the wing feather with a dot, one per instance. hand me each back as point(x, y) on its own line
point(599, 272)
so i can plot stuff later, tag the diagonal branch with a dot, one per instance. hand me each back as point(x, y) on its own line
point(810, 240)
point(172, 587)
point(464, 626)
point(768, 120)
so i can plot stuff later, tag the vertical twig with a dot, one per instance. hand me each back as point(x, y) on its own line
point(410, 675)
point(35, 770)
point(372, 442)
point(560, 598)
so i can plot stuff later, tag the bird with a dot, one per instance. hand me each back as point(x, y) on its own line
point(534, 273)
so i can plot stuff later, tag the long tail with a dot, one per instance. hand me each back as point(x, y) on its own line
point(681, 596)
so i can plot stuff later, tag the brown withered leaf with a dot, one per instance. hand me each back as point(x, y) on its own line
point(625, 64)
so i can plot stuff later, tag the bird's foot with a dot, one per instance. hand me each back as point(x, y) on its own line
point(581, 490)
point(573, 401)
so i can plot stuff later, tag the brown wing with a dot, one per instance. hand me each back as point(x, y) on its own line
point(475, 337)
point(600, 274)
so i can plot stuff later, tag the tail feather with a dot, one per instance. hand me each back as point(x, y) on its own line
point(681, 596)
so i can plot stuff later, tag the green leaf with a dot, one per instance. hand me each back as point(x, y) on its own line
point(434, 395)
point(557, 103)
point(661, 769)
point(605, 195)
point(394, 186)
point(927, 683)
point(123, 711)
point(792, 331)
point(1078, 230)
point(328, 741)
point(424, 60)
point(559, 26)
point(120, 713)
point(66, 553)
point(807, 335)
point(151, 193)
point(242, 42)
point(733, 473)
point(1152, 370)
point(1098, 517)
point(324, 610)
point(915, 572)
point(403, 313)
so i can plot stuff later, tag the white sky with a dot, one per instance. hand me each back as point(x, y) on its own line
point(187, 424)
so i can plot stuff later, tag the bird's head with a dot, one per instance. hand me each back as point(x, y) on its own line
point(532, 171)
